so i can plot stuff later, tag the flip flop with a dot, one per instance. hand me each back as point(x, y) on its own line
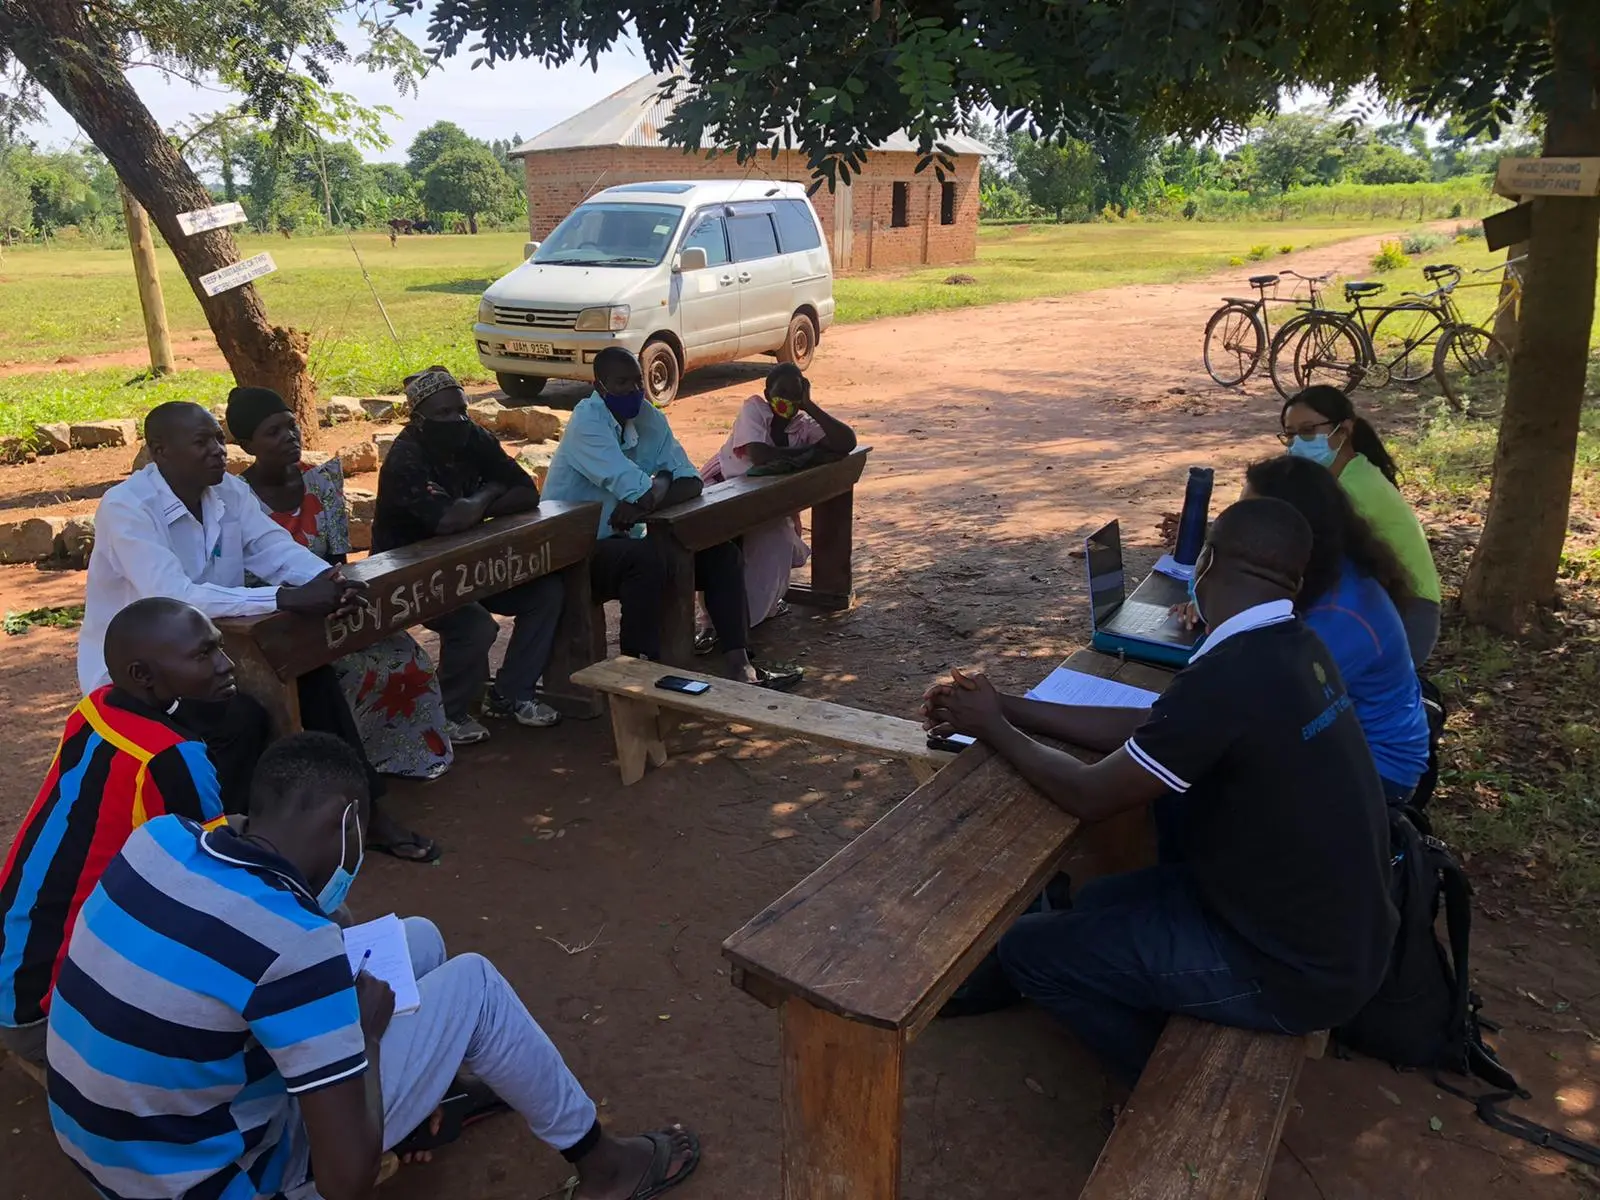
point(779, 677)
point(655, 1182)
point(412, 848)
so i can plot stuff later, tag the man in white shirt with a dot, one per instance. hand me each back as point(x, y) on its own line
point(185, 528)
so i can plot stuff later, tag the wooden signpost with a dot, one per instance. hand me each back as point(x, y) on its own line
point(1522, 177)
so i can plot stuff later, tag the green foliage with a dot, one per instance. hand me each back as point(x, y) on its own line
point(1060, 179)
point(841, 78)
point(468, 179)
point(433, 143)
point(60, 616)
point(1390, 257)
point(1286, 249)
point(1257, 253)
point(1421, 241)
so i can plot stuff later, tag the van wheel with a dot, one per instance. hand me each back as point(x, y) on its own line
point(801, 344)
point(662, 373)
point(525, 388)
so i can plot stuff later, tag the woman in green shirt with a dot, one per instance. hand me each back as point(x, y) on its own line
point(1321, 424)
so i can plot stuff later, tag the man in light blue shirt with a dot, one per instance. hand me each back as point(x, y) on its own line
point(619, 450)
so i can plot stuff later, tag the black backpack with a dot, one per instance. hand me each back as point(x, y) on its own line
point(1425, 1013)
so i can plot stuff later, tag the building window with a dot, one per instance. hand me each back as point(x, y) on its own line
point(947, 204)
point(900, 215)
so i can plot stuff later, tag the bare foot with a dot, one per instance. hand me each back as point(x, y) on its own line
point(617, 1167)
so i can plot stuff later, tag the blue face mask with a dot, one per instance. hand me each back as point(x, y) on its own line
point(626, 406)
point(333, 893)
point(1316, 449)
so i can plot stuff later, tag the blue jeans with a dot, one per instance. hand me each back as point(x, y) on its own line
point(1132, 949)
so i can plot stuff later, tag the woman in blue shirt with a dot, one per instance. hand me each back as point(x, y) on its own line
point(1351, 597)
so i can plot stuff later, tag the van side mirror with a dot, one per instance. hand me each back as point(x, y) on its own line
point(528, 250)
point(691, 258)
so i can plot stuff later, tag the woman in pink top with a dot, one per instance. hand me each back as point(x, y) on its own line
point(783, 429)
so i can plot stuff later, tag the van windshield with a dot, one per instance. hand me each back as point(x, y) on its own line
point(611, 235)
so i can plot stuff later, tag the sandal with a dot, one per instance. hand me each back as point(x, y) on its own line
point(705, 642)
point(414, 847)
point(655, 1182)
point(779, 678)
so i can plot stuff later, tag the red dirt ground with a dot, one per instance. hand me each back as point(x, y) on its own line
point(1000, 436)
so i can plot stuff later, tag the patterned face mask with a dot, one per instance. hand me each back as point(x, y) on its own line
point(783, 407)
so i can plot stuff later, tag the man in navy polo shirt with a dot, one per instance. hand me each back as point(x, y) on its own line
point(1270, 909)
point(207, 1038)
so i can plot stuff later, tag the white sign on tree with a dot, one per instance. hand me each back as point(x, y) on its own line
point(216, 217)
point(238, 274)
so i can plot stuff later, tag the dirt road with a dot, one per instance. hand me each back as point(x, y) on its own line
point(1000, 436)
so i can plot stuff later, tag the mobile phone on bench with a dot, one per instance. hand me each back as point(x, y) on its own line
point(953, 742)
point(677, 683)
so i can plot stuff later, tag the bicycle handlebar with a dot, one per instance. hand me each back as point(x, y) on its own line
point(1309, 278)
point(1438, 270)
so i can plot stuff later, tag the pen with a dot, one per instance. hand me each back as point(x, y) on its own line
point(364, 958)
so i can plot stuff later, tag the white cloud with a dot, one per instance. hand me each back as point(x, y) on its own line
point(516, 97)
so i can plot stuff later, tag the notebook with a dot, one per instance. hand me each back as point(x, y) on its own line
point(390, 961)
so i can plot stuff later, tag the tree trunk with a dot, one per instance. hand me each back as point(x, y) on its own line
point(1514, 568)
point(72, 61)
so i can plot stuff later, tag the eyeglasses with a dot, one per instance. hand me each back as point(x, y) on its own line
point(1305, 432)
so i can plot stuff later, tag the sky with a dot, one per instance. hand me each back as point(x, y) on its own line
point(517, 97)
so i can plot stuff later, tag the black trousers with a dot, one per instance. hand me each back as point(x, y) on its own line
point(633, 571)
point(237, 731)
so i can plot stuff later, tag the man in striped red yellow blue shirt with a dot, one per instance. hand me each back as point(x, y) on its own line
point(122, 761)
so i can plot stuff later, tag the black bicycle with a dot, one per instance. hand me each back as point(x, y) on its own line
point(1239, 333)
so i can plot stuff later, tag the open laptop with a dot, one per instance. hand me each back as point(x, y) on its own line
point(1140, 626)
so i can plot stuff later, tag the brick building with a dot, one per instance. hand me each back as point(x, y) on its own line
point(891, 215)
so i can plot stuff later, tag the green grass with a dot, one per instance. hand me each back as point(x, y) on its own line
point(1023, 262)
point(1519, 787)
point(79, 302)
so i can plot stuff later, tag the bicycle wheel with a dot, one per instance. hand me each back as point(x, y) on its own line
point(1280, 358)
point(1235, 338)
point(1403, 340)
point(1324, 350)
point(1472, 367)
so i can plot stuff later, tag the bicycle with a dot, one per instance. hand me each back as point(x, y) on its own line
point(1472, 365)
point(1342, 348)
point(1241, 329)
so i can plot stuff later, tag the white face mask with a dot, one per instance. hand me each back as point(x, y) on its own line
point(1194, 581)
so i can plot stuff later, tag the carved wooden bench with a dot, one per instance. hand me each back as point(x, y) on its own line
point(424, 580)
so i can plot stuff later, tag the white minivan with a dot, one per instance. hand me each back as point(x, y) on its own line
point(682, 273)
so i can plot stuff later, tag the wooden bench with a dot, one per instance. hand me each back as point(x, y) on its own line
point(726, 510)
point(1204, 1120)
point(427, 579)
point(861, 955)
point(636, 705)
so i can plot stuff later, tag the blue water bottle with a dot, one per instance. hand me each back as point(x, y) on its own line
point(1196, 514)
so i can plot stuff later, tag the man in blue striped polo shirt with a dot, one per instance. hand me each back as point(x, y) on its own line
point(208, 1042)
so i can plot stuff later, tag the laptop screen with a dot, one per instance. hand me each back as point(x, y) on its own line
point(1103, 553)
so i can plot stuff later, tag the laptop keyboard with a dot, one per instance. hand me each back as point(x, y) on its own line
point(1140, 618)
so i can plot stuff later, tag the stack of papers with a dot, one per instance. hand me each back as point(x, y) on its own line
point(1066, 686)
point(1173, 569)
point(390, 961)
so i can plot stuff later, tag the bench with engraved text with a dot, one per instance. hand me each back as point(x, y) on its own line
point(860, 956)
point(424, 580)
point(727, 510)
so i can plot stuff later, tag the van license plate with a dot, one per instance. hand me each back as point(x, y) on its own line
point(535, 349)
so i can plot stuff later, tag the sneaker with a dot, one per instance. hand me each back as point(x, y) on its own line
point(527, 712)
point(465, 732)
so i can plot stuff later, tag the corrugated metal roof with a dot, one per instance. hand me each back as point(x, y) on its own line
point(633, 116)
